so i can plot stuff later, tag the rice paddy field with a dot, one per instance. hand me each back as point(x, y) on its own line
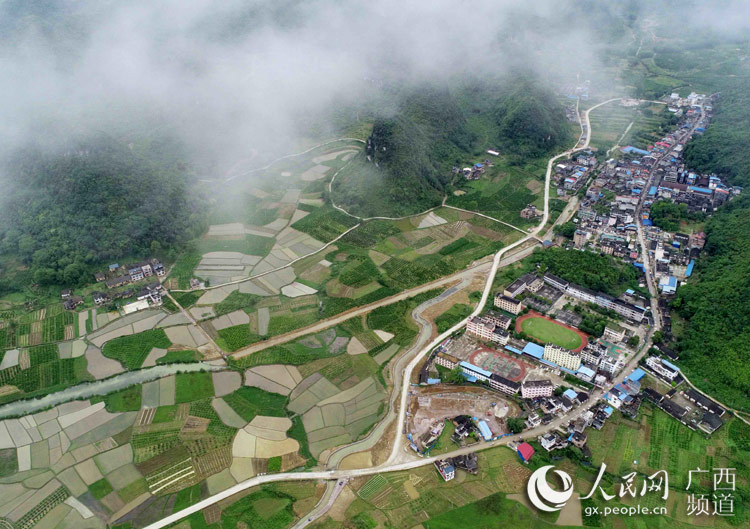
point(278, 231)
point(653, 442)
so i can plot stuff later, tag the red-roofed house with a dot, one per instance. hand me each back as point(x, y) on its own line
point(525, 451)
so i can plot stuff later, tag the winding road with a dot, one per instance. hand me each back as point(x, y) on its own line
point(393, 462)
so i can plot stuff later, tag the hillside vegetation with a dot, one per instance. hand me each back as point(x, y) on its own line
point(715, 344)
point(69, 210)
point(407, 164)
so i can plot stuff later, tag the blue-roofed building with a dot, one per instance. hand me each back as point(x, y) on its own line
point(470, 378)
point(513, 350)
point(571, 394)
point(639, 265)
point(484, 430)
point(633, 150)
point(668, 285)
point(433, 381)
point(690, 266)
point(609, 411)
point(585, 373)
point(547, 362)
point(470, 370)
point(637, 374)
point(534, 350)
point(566, 370)
point(670, 365)
point(702, 190)
point(652, 191)
point(478, 165)
point(113, 267)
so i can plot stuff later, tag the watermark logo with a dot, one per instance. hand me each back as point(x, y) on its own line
point(633, 486)
point(544, 497)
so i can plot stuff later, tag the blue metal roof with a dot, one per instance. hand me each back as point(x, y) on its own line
point(670, 365)
point(567, 370)
point(571, 394)
point(433, 381)
point(532, 349)
point(484, 430)
point(690, 266)
point(476, 369)
point(583, 370)
point(513, 349)
point(608, 410)
point(547, 362)
point(703, 190)
point(637, 374)
point(648, 222)
point(652, 190)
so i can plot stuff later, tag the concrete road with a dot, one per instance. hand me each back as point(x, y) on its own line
point(396, 454)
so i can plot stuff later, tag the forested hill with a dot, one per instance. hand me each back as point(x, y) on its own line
point(413, 151)
point(74, 208)
point(417, 148)
point(715, 343)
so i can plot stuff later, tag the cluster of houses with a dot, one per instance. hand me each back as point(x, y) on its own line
point(570, 176)
point(118, 276)
point(575, 432)
point(447, 467)
point(477, 374)
point(609, 210)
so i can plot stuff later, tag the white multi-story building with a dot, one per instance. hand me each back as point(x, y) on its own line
point(562, 357)
point(487, 330)
point(614, 333)
point(537, 388)
point(609, 365)
point(480, 327)
point(501, 383)
point(447, 361)
point(584, 294)
point(508, 304)
point(657, 365)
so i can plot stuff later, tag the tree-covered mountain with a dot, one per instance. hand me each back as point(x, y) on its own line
point(715, 344)
point(69, 209)
point(411, 152)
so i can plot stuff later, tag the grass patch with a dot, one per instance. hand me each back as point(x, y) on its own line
point(8, 462)
point(193, 386)
point(100, 488)
point(128, 399)
point(187, 299)
point(179, 357)
point(236, 300)
point(236, 337)
point(132, 350)
point(274, 464)
point(251, 401)
point(165, 414)
point(452, 316)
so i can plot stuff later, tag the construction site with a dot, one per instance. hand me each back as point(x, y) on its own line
point(431, 406)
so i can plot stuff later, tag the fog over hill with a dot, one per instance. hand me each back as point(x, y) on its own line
point(237, 76)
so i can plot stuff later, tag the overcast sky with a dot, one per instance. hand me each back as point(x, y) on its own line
point(237, 77)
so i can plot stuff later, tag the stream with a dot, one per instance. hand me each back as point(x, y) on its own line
point(101, 387)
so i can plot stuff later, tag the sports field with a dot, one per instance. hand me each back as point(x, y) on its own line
point(550, 331)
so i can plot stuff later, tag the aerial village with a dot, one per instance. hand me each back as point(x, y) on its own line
point(525, 362)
